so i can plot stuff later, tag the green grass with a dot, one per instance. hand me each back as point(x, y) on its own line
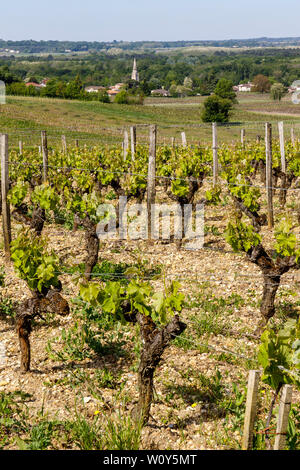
point(113, 431)
point(95, 122)
point(13, 415)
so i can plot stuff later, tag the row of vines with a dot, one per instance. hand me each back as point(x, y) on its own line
point(78, 181)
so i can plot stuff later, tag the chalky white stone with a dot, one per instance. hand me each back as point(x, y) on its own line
point(2, 353)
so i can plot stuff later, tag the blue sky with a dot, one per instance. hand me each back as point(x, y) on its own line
point(134, 20)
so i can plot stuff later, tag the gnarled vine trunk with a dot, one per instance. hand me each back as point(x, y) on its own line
point(286, 183)
point(272, 272)
point(36, 221)
point(92, 247)
point(52, 302)
point(155, 341)
point(271, 284)
point(286, 179)
point(23, 324)
point(257, 220)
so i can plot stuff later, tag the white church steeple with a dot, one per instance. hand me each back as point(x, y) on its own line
point(135, 74)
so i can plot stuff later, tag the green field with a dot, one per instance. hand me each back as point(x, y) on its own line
point(93, 122)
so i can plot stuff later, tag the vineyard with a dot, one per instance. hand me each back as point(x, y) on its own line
point(132, 341)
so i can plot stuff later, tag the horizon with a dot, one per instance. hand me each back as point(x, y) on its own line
point(154, 40)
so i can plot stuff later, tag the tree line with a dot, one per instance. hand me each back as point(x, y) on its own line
point(35, 47)
point(182, 74)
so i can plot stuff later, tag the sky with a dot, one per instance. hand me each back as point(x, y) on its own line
point(140, 20)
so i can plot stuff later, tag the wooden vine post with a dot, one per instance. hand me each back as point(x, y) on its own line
point(20, 147)
point(215, 153)
point(4, 190)
point(183, 139)
point(251, 408)
point(125, 145)
point(133, 141)
point(151, 177)
point(283, 417)
point(45, 156)
point(293, 136)
point(269, 171)
point(64, 143)
point(282, 149)
point(172, 142)
point(243, 136)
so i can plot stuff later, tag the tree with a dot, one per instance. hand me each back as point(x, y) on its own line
point(51, 89)
point(103, 96)
point(144, 87)
point(277, 91)
point(32, 79)
point(261, 84)
point(224, 89)
point(74, 88)
point(182, 91)
point(188, 83)
point(7, 76)
point(122, 97)
point(18, 88)
point(60, 89)
point(173, 90)
point(216, 109)
point(31, 91)
point(203, 89)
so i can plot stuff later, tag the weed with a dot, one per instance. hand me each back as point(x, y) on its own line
point(212, 229)
point(111, 195)
point(293, 431)
point(106, 379)
point(234, 406)
point(85, 435)
point(93, 333)
point(64, 218)
point(13, 415)
point(122, 433)
point(212, 317)
point(292, 436)
point(111, 432)
point(7, 308)
point(79, 342)
point(40, 437)
point(198, 387)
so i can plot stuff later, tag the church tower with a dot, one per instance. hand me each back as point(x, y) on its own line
point(135, 74)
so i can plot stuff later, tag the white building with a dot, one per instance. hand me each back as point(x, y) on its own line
point(244, 87)
point(160, 92)
point(94, 89)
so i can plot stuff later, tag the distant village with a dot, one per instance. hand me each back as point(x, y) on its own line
point(113, 90)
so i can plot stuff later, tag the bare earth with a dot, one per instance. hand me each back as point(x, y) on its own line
point(181, 418)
